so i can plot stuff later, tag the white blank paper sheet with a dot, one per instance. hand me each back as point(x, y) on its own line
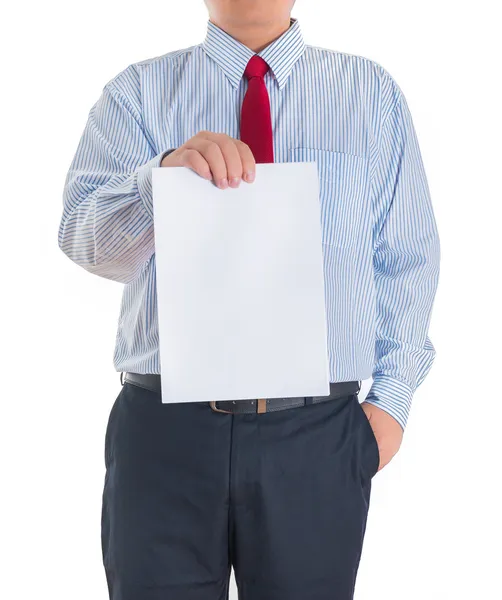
point(240, 285)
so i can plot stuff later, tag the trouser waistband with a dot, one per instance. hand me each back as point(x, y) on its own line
point(339, 389)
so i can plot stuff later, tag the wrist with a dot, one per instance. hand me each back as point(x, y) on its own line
point(165, 155)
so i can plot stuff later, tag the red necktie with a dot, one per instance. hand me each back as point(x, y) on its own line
point(256, 123)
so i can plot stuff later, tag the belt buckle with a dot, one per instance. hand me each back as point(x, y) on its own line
point(261, 407)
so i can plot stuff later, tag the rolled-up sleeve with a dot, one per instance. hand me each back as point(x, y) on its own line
point(406, 263)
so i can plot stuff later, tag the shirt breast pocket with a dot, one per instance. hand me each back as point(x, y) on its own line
point(343, 191)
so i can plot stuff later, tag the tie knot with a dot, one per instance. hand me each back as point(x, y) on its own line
point(256, 67)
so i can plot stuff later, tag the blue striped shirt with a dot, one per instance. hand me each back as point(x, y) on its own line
point(345, 112)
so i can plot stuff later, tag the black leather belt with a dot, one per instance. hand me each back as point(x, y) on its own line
point(338, 389)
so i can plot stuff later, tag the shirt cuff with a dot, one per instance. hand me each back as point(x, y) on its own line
point(144, 180)
point(391, 395)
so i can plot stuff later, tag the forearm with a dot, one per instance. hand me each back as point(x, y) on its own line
point(107, 223)
point(109, 231)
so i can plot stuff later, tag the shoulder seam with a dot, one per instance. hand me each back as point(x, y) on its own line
point(349, 54)
point(391, 110)
point(166, 56)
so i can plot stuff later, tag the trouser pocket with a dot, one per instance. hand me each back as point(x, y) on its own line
point(370, 452)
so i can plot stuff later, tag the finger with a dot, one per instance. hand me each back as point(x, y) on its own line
point(211, 152)
point(247, 160)
point(232, 158)
point(192, 159)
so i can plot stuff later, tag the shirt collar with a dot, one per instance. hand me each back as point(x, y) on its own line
point(232, 56)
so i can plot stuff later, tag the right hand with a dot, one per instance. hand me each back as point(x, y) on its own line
point(215, 156)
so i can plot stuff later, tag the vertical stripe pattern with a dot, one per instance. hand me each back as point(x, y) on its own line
point(344, 112)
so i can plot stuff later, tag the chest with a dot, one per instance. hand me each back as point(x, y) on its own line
point(306, 126)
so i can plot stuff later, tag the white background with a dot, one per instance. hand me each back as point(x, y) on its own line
point(434, 526)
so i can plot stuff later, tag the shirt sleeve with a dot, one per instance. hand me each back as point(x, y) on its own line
point(406, 266)
point(107, 222)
